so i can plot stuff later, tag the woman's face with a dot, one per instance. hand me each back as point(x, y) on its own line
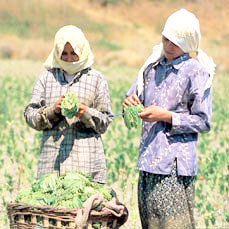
point(69, 54)
point(171, 50)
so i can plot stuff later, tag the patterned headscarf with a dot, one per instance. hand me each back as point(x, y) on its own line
point(183, 29)
point(79, 43)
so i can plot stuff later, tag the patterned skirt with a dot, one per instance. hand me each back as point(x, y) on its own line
point(166, 201)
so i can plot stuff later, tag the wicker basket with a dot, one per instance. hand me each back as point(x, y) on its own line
point(28, 216)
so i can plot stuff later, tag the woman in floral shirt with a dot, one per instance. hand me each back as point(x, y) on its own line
point(175, 91)
point(70, 144)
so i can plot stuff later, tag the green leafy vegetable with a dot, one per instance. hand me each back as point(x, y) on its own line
point(69, 105)
point(131, 117)
point(96, 225)
point(69, 191)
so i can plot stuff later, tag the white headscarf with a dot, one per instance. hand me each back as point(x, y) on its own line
point(183, 29)
point(79, 43)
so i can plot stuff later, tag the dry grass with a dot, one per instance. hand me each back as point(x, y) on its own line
point(134, 28)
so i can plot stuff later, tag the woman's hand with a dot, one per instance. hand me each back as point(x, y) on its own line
point(131, 100)
point(57, 105)
point(82, 110)
point(155, 113)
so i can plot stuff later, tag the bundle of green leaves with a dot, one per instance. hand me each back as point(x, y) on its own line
point(69, 105)
point(131, 117)
point(68, 191)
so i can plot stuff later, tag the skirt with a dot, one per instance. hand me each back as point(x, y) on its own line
point(166, 201)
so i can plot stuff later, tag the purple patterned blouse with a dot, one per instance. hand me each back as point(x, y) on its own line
point(178, 87)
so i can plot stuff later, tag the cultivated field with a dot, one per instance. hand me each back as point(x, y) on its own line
point(121, 36)
point(20, 145)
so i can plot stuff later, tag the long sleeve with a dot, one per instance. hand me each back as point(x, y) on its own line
point(100, 115)
point(71, 144)
point(178, 87)
point(200, 102)
point(132, 89)
point(37, 114)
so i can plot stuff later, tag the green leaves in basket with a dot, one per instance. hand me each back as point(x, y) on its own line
point(47, 183)
point(69, 191)
point(96, 225)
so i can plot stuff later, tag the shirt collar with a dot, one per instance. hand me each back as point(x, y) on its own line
point(76, 77)
point(177, 63)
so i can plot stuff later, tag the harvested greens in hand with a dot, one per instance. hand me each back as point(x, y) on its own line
point(69, 105)
point(131, 117)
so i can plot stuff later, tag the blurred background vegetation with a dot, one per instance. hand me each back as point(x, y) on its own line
point(121, 34)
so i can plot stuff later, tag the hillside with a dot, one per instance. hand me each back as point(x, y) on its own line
point(122, 31)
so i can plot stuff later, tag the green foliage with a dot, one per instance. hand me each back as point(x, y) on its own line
point(19, 149)
point(69, 105)
point(11, 24)
point(226, 214)
point(131, 117)
point(96, 225)
point(216, 42)
point(9, 182)
point(69, 191)
point(108, 45)
point(212, 188)
point(121, 145)
point(20, 145)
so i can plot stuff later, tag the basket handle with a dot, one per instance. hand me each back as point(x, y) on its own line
point(83, 214)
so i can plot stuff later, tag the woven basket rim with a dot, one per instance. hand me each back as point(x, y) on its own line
point(67, 214)
point(42, 207)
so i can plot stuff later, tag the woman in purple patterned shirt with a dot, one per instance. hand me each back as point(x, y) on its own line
point(175, 90)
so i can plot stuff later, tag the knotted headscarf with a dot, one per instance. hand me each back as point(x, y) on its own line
point(81, 47)
point(183, 29)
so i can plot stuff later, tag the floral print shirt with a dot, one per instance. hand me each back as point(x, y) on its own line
point(177, 86)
